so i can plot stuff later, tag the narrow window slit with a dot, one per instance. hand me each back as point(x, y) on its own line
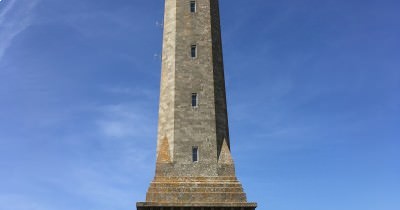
point(193, 51)
point(195, 154)
point(193, 6)
point(194, 100)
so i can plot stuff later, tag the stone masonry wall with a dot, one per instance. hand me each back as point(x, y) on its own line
point(179, 180)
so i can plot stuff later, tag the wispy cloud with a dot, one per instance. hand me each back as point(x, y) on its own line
point(124, 120)
point(15, 17)
point(107, 189)
point(19, 202)
point(133, 92)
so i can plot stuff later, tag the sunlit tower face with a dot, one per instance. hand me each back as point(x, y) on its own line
point(193, 146)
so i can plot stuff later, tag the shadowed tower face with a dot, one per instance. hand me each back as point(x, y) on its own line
point(194, 164)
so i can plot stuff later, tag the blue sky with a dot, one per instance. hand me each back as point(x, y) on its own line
point(313, 95)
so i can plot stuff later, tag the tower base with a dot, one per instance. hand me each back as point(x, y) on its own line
point(195, 206)
point(195, 193)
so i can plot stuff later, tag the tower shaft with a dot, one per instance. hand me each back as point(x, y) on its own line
point(194, 165)
point(206, 124)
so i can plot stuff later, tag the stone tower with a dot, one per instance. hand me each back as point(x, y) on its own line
point(194, 168)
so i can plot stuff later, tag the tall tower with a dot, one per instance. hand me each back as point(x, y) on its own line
point(194, 166)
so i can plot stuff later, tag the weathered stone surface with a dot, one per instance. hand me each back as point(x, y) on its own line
point(225, 155)
point(164, 155)
point(196, 190)
point(197, 206)
point(209, 181)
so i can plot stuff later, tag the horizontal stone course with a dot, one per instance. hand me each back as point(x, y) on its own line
point(196, 206)
point(195, 189)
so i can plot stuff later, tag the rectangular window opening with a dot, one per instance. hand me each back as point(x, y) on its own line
point(195, 154)
point(193, 51)
point(194, 100)
point(192, 6)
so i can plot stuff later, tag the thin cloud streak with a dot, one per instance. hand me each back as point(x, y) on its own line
point(14, 19)
point(124, 121)
point(20, 202)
